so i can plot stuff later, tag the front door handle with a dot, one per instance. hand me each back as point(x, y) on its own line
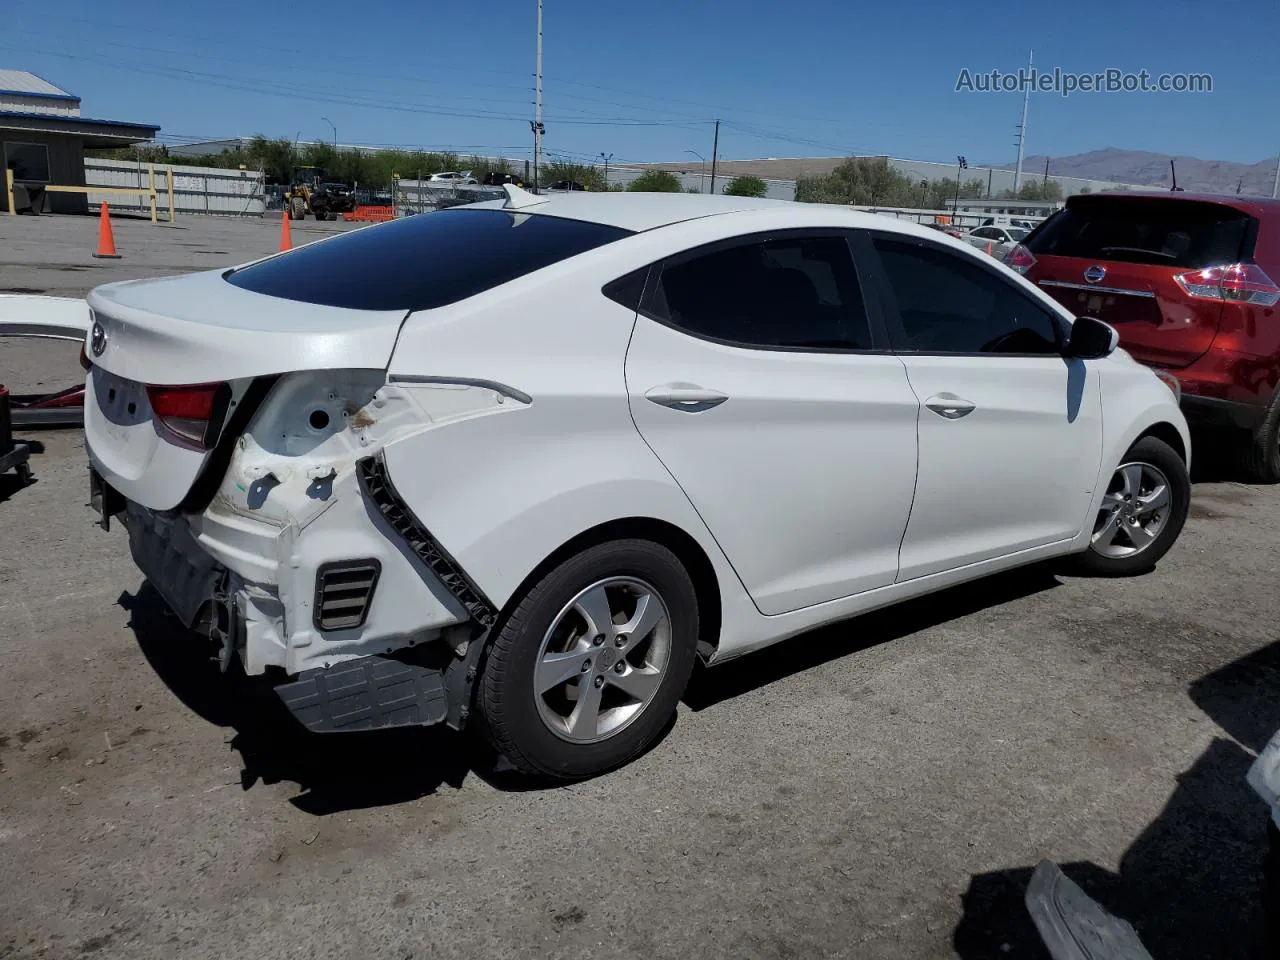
point(687, 397)
point(949, 406)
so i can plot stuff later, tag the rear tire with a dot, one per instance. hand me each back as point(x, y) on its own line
point(568, 691)
point(1260, 456)
point(297, 208)
point(1130, 532)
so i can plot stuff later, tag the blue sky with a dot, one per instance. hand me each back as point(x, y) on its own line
point(643, 80)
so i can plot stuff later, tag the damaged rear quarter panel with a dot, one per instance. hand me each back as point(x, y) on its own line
point(290, 502)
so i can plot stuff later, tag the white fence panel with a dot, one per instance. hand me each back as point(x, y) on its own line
point(236, 193)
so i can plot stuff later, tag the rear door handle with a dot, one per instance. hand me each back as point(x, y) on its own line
point(687, 397)
point(949, 406)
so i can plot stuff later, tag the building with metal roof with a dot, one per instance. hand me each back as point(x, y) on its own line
point(43, 138)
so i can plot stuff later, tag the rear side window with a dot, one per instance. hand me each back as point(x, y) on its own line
point(1174, 233)
point(424, 261)
point(948, 305)
point(796, 293)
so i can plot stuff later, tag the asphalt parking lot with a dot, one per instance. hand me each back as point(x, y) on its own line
point(881, 788)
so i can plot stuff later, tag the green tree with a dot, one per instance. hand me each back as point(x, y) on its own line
point(745, 187)
point(585, 174)
point(276, 158)
point(655, 181)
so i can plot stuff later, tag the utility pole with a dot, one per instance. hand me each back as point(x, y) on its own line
point(606, 160)
point(538, 129)
point(1022, 127)
point(1275, 185)
point(702, 177)
point(1044, 184)
point(335, 133)
point(715, 149)
point(961, 164)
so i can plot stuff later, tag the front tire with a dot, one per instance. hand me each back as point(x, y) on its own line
point(297, 208)
point(588, 668)
point(1142, 512)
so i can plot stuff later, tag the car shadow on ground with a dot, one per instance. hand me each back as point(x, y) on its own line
point(334, 772)
point(753, 671)
point(1191, 883)
point(1215, 457)
point(338, 772)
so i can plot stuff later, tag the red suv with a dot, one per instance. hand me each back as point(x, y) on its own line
point(1186, 279)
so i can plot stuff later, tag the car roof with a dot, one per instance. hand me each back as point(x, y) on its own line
point(640, 212)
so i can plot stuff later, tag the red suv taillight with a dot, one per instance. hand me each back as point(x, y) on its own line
point(192, 415)
point(1234, 283)
point(1019, 258)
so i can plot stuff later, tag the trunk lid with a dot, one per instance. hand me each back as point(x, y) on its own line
point(201, 329)
point(1118, 258)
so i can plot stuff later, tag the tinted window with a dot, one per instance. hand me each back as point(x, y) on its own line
point(799, 293)
point(986, 233)
point(628, 290)
point(948, 305)
point(424, 261)
point(1175, 233)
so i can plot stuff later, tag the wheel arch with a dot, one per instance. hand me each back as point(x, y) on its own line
point(1169, 434)
point(701, 570)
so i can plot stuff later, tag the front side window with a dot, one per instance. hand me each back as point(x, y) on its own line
point(948, 305)
point(795, 293)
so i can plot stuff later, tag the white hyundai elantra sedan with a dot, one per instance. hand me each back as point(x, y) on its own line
point(531, 458)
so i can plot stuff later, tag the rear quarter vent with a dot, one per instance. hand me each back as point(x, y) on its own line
point(344, 592)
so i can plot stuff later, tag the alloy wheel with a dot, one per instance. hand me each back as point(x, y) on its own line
point(602, 660)
point(1134, 511)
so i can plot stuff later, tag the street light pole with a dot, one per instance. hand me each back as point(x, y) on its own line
point(335, 132)
point(606, 160)
point(702, 179)
point(961, 164)
point(538, 129)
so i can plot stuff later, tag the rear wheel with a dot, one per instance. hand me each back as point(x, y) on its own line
point(297, 208)
point(588, 668)
point(1142, 512)
point(1260, 457)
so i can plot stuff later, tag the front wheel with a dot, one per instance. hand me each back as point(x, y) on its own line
point(1142, 512)
point(589, 666)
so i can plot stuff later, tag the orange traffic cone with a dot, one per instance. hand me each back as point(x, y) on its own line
point(106, 242)
point(286, 234)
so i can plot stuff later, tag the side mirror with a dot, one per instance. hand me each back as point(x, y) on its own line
point(1090, 339)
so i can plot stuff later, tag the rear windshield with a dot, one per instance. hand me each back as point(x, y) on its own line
point(1175, 233)
point(424, 261)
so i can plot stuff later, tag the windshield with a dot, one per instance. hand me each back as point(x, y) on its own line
point(1018, 233)
point(423, 261)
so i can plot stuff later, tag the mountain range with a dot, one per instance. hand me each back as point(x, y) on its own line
point(1142, 167)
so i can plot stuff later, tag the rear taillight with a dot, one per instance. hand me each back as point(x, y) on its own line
point(192, 415)
point(1233, 283)
point(1019, 258)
